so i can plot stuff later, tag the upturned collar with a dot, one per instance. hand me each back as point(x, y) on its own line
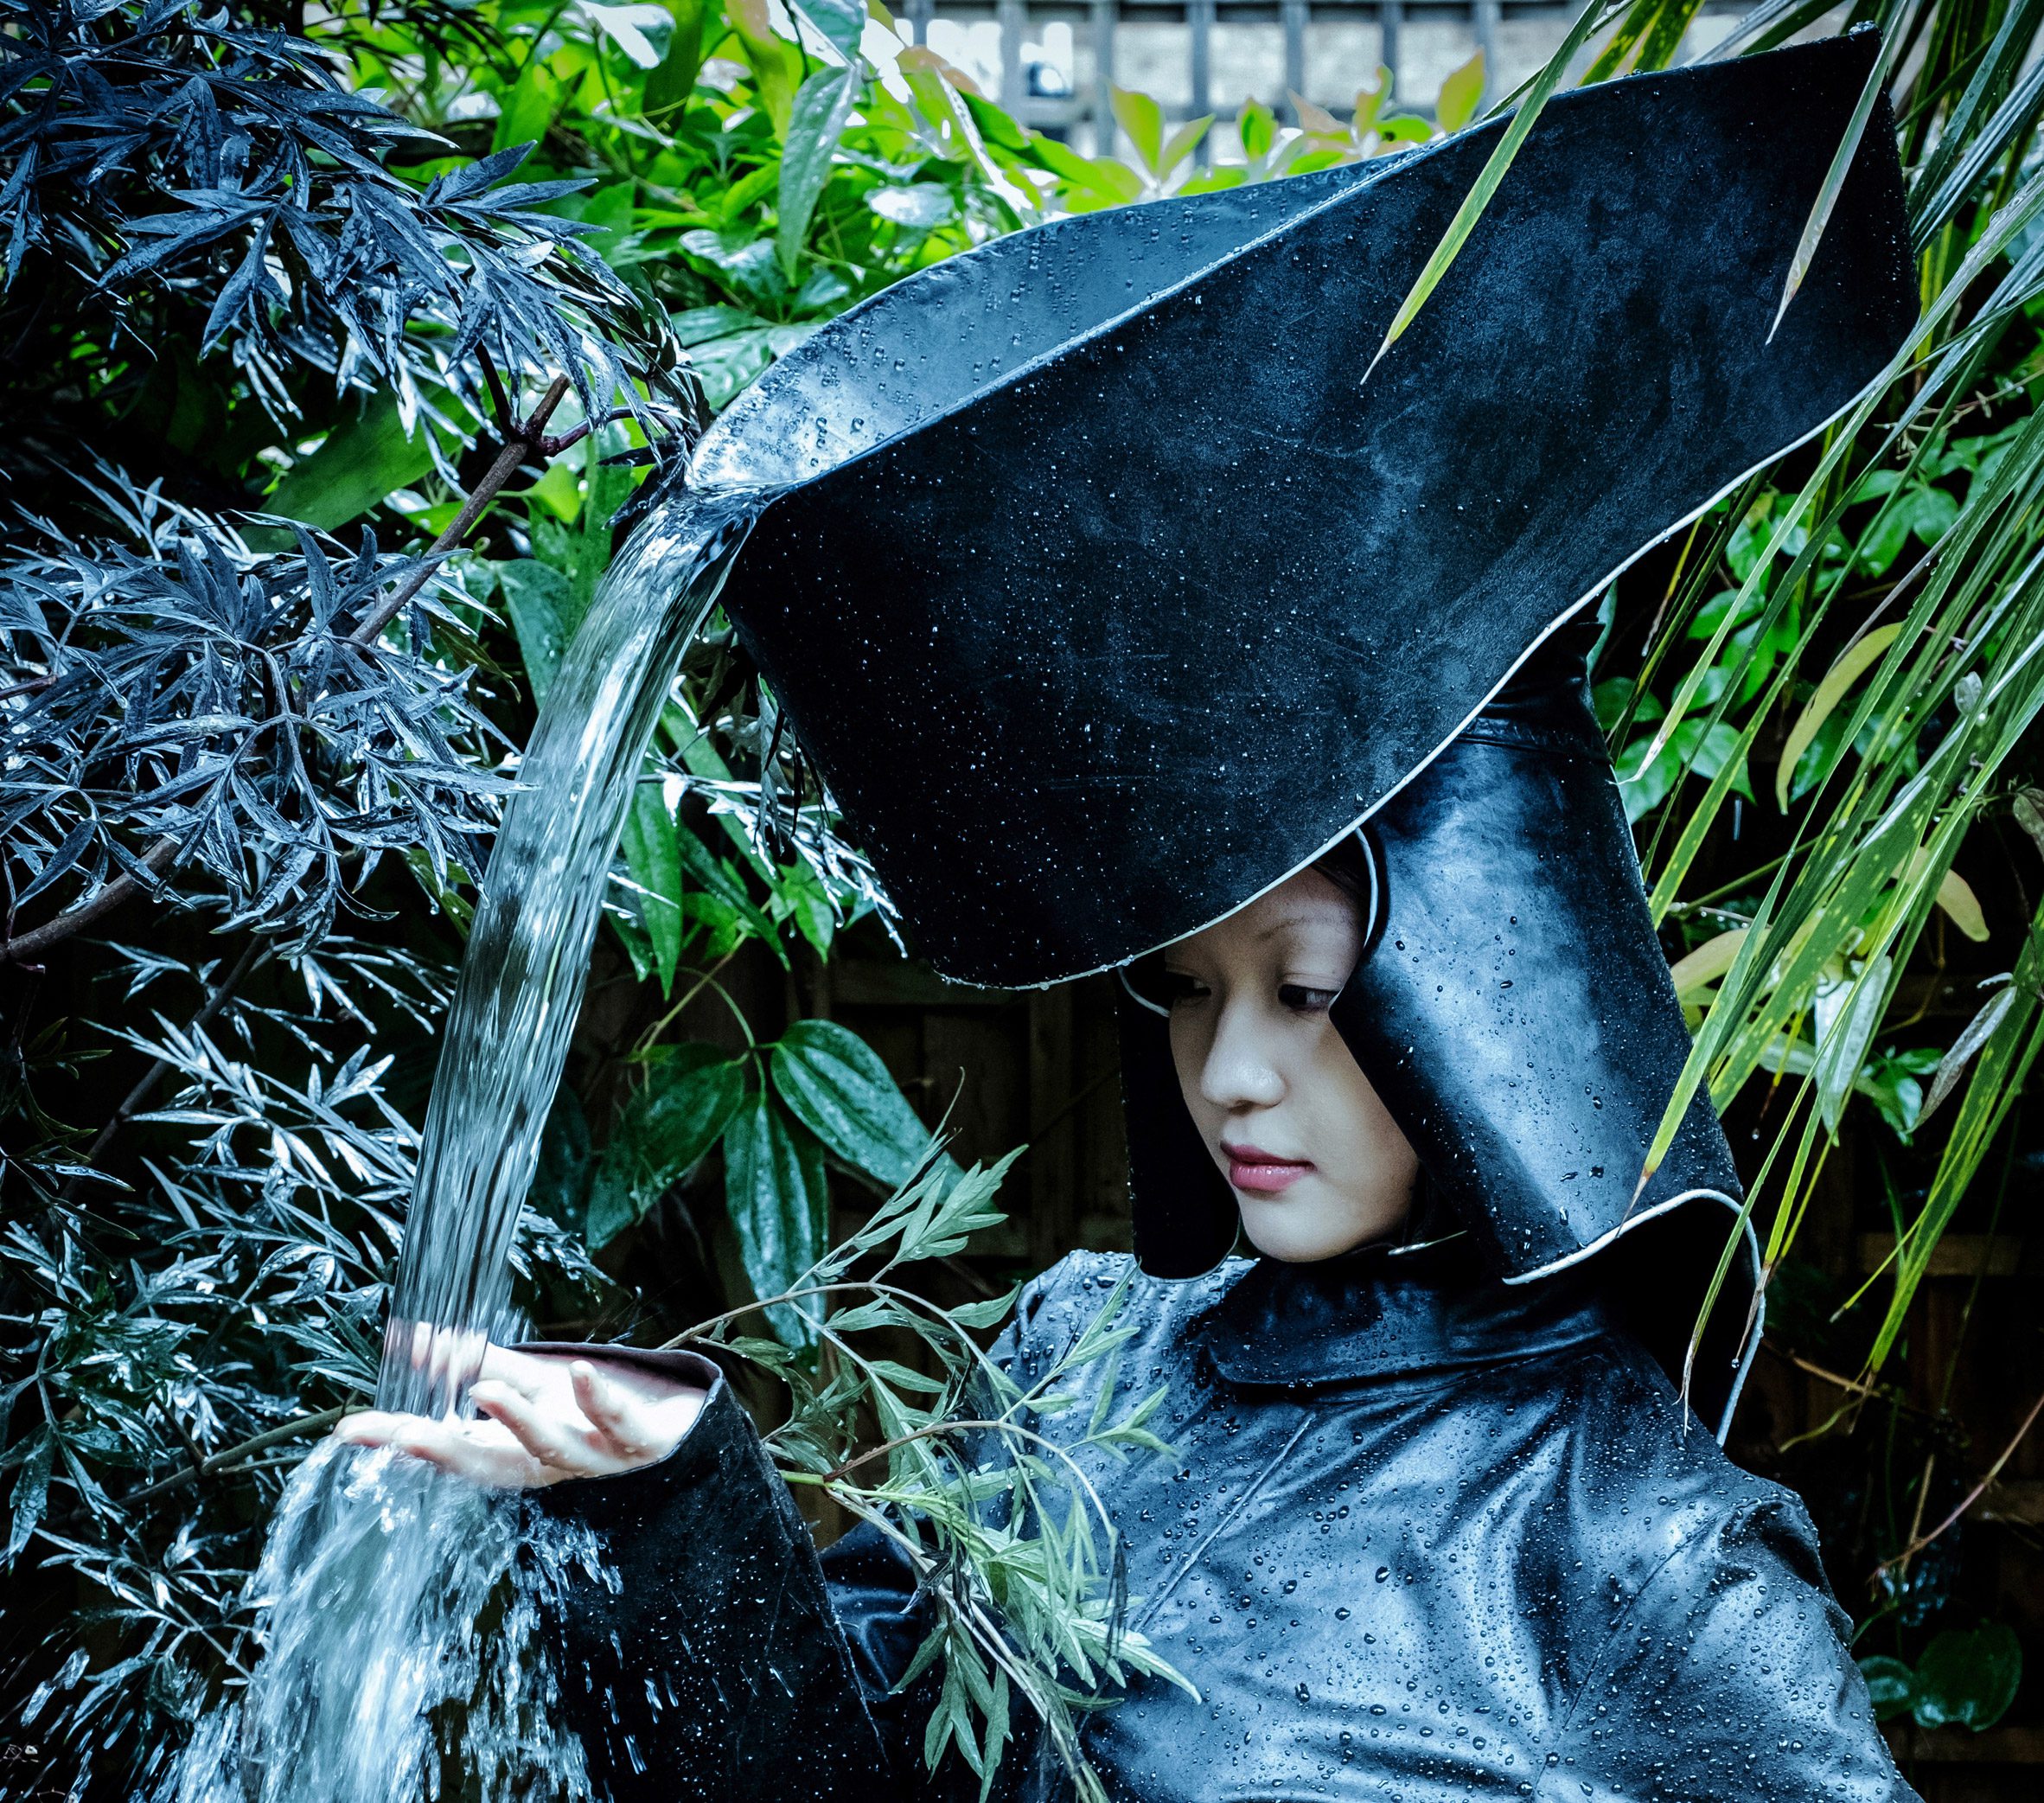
point(1377, 1315)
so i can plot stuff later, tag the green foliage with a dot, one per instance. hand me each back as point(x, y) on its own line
point(1877, 616)
point(689, 1098)
point(781, 1113)
point(837, 1088)
point(1864, 623)
point(1965, 1679)
point(993, 1511)
point(774, 1187)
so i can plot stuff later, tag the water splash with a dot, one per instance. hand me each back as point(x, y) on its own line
point(403, 1634)
point(400, 1610)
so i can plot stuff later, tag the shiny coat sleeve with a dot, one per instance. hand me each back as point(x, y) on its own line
point(706, 1657)
point(1729, 1680)
point(729, 1660)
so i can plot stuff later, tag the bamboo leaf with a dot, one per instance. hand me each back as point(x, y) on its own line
point(1670, 25)
point(2004, 1062)
point(1857, 660)
point(1479, 197)
point(2029, 808)
point(1857, 1005)
point(1960, 134)
point(1955, 897)
point(1698, 969)
point(1953, 1066)
point(1624, 41)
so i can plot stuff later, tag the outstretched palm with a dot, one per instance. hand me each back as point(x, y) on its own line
point(546, 1416)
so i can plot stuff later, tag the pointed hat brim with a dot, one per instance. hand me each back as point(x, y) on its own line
point(1103, 591)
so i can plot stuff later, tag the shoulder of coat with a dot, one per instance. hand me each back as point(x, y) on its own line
point(1652, 1477)
point(1064, 1298)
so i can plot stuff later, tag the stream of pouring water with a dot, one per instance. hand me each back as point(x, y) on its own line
point(390, 1594)
point(521, 979)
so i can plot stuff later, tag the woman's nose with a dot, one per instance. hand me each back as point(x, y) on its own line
point(1240, 1071)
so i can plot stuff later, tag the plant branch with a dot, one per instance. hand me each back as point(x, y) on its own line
point(104, 900)
point(222, 1462)
point(553, 446)
point(521, 445)
point(931, 1433)
point(1972, 1496)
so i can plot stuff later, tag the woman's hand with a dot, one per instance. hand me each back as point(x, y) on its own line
point(549, 1416)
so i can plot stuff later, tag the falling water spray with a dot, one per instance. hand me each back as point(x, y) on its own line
point(401, 1611)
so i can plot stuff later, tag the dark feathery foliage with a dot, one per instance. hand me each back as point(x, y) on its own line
point(177, 182)
point(201, 693)
point(216, 258)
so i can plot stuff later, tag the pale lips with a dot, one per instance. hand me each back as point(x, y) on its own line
point(1260, 1173)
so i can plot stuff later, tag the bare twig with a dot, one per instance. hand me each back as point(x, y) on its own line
point(1972, 1496)
point(223, 1462)
point(529, 441)
point(931, 1432)
point(24, 946)
point(553, 446)
point(1857, 1387)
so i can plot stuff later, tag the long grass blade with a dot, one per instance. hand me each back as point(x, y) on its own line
point(1834, 182)
point(1493, 172)
point(1997, 69)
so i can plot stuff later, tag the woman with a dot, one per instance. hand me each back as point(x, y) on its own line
point(1423, 1534)
point(1444, 1514)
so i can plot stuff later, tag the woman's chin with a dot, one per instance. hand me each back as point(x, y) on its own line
point(1297, 1229)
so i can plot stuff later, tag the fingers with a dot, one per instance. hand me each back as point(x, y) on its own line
point(482, 1452)
point(459, 1362)
point(450, 1358)
point(366, 1427)
point(524, 1373)
point(615, 1416)
point(568, 1450)
point(545, 1417)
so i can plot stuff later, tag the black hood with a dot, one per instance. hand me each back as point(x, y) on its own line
point(1105, 593)
point(1513, 1008)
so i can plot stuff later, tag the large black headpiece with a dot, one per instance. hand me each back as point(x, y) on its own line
point(1105, 593)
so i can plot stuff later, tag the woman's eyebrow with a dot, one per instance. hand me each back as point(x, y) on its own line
point(1299, 917)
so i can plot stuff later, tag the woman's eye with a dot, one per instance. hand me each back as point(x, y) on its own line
point(1303, 1001)
point(1178, 986)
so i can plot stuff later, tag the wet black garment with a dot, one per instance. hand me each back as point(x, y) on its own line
point(1026, 503)
point(1423, 1535)
point(1512, 1009)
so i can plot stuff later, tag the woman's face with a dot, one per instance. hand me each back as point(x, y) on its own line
point(1316, 1162)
